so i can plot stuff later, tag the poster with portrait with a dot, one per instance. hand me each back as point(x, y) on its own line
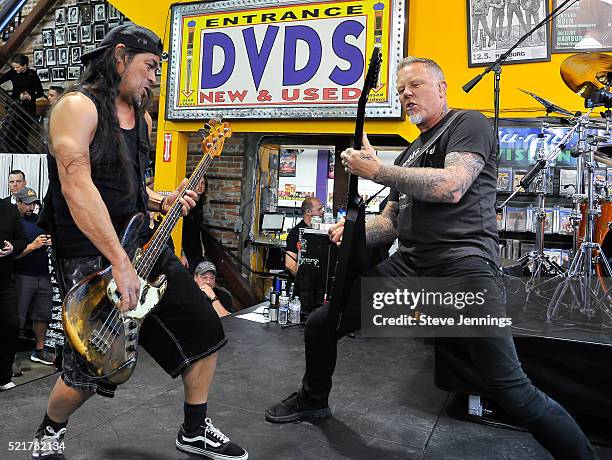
point(287, 163)
point(494, 26)
point(86, 35)
point(43, 74)
point(38, 58)
point(73, 15)
point(60, 17)
point(62, 56)
point(60, 36)
point(585, 26)
point(47, 38)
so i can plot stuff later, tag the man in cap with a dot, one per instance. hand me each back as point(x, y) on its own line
point(34, 291)
point(205, 276)
point(96, 183)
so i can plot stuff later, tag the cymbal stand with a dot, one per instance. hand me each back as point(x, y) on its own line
point(581, 278)
point(539, 262)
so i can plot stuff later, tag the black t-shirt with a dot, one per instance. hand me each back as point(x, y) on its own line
point(432, 234)
point(224, 297)
point(294, 236)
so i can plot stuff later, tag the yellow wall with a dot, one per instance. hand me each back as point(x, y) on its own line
point(437, 30)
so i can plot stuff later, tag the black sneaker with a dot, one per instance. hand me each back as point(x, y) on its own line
point(48, 444)
point(209, 442)
point(294, 409)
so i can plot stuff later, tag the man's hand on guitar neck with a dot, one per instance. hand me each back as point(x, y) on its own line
point(128, 284)
point(188, 201)
point(363, 163)
point(336, 231)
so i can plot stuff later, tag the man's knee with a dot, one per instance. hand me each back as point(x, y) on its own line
point(316, 325)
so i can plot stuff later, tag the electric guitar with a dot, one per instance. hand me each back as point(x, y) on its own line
point(104, 337)
point(351, 255)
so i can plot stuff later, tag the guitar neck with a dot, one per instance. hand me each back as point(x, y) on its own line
point(154, 247)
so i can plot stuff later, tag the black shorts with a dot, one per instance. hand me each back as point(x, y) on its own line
point(182, 329)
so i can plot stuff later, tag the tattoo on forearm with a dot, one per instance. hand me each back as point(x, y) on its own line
point(382, 229)
point(446, 185)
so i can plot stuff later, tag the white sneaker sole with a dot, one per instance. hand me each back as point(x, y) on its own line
point(207, 453)
point(38, 360)
point(7, 386)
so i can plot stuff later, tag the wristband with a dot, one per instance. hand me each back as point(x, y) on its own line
point(213, 299)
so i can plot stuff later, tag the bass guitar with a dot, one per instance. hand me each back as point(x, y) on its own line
point(105, 338)
point(351, 253)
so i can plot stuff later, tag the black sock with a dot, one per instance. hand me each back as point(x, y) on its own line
point(194, 416)
point(55, 425)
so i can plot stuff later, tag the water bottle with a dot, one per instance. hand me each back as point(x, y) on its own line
point(283, 309)
point(295, 308)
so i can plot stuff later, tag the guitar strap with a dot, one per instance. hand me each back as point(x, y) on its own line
point(418, 153)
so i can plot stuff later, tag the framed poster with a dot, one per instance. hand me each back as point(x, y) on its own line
point(62, 56)
point(287, 163)
point(58, 74)
point(74, 72)
point(100, 12)
point(75, 55)
point(73, 35)
point(38, 57)
point(73, 15)
point(99, 32)
point(60, 36)
point(43, 74)
point(85, 32)
point(86, 14)
point(60, 17)
point(282, 58)
point(496, 25)
point(585, 26)
point(50, 56)
point(47, 38)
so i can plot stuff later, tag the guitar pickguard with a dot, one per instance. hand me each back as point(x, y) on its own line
point(149, 297)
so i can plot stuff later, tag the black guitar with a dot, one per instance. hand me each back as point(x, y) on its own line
point(351, 255)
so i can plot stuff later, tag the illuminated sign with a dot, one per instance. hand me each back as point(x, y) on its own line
point(282, 59)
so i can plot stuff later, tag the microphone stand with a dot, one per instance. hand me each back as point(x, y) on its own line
point(497, 69)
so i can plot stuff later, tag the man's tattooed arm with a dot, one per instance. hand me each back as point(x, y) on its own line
point(382, 229)
point(447, 185)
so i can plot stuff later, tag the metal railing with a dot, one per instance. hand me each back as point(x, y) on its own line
point(11, 17)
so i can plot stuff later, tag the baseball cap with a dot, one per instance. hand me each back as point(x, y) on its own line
point(204, 267)
point(130, 35)
point(27, 195)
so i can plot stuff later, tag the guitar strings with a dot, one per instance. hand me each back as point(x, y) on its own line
point(144, 265)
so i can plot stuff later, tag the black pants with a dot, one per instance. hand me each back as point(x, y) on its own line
point(9, 330)
point(494, 358)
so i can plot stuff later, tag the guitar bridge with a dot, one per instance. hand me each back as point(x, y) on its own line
point(99, 342)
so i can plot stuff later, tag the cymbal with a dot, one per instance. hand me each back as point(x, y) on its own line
point(604, 151)
point(586, 73)
point(549, 106)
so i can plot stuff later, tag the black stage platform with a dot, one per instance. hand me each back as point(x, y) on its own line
point(384, 405)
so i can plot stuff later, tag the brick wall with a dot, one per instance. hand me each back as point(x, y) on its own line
point(224, 189)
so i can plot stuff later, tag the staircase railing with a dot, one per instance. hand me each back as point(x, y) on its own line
point(11, 17)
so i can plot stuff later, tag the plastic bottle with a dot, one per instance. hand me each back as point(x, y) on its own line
point(283, 308)
point(295, 307)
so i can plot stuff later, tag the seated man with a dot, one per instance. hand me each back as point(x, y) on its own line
point(205, 276)
point(311, 207)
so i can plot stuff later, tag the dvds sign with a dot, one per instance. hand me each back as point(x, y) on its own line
point(283, 60)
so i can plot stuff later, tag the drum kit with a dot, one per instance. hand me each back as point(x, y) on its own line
point(584, 287)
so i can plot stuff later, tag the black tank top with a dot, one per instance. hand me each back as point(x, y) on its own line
point(112, 183)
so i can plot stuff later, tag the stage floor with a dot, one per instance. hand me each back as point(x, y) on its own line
point(384, 406)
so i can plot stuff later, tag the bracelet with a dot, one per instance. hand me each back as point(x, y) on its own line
point(213, 299)
point(161, 203)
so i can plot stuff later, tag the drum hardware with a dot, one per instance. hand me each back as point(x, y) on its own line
point(585, 278)
point(538, 262)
